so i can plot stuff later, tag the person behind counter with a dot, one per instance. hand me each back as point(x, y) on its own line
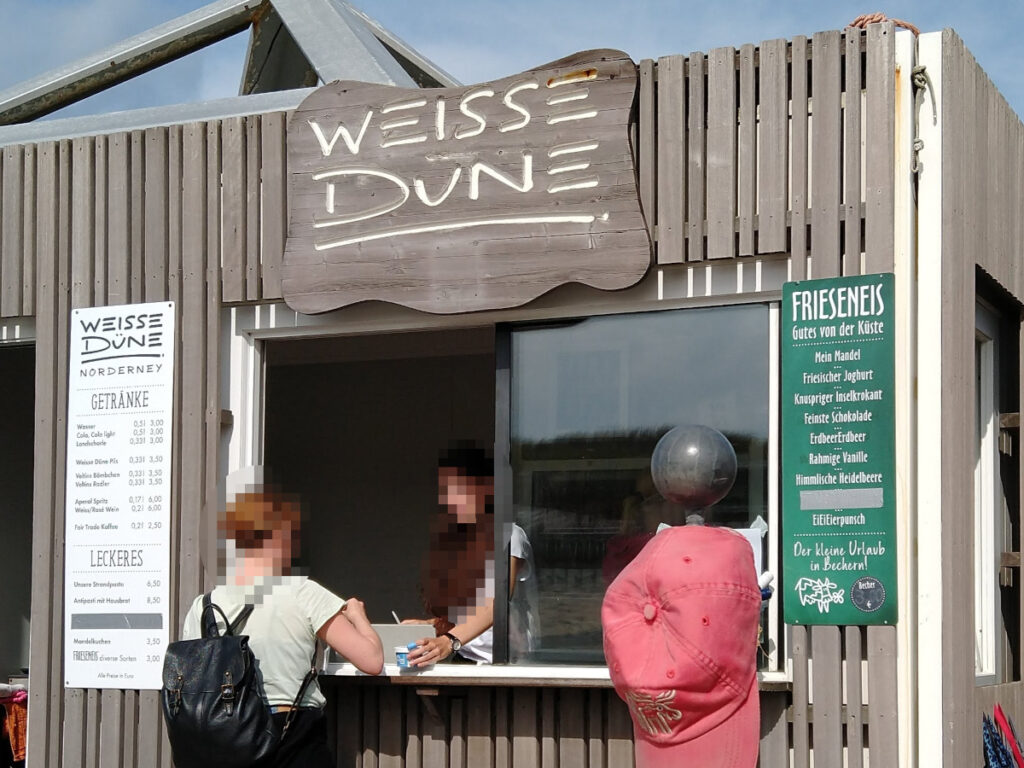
point(260, 537)
point(459, 579)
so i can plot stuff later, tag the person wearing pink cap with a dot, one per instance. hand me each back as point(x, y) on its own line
point(680, 637)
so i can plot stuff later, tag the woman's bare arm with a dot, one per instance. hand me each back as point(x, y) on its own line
point(350, 634)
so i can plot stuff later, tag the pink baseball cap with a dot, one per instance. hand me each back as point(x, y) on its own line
point(680, 637)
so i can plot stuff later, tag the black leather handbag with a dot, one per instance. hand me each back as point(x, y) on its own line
point(213, 700)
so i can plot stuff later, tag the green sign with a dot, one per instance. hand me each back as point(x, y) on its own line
point(838, 451)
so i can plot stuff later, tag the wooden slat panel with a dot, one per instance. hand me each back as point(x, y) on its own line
point(671, 159)
point(111, 726)
point(479, 748)
point(773, 158)
point(233, 218)
point(696, 158)
point(11, 224)
point(525, 731)
point(851, 154)
point(349, 724)
point(149, 728)
point(192, 366)
point(883, 722)
point(73, 739)
point(371, 727)
point(596, 753)
point(137, 215)
point(798, 159)
point(747, 143)
point(828, 696)
point(155, 267)
point(252, 207)
point(92, 728)
point(801, 696)
point(63, 310)
point(647, 167)
point(456, 733)
point(502, 729)
point(43, 705)
point(28, 264)
point(435, 739)
point(82, 237)
point(119, 227)
point(174, 212)
point(549, 728)
point(825, 151)
point(572, 732)
point(619, 735)
point(99, 248)
point(392, 729)
point(879, 145)
point(854, 698)
point(275, 209)
point(774, 751)
point(129, 749)
point(721, 153)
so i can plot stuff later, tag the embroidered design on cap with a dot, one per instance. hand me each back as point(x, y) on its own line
point(652, 712)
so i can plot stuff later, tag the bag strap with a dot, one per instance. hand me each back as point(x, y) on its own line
point(306, 681)
point(208, 618)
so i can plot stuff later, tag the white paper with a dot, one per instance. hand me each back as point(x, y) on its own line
point(118, 493)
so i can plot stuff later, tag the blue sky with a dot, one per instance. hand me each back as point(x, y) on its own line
point(483, 40)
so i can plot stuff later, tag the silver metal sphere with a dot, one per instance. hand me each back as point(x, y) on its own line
point(693, 466)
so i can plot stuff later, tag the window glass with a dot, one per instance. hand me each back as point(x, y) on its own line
point(590, 400)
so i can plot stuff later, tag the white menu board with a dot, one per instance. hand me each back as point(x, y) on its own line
point(118, 497)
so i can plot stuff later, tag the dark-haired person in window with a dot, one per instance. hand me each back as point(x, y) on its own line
point(459, 584)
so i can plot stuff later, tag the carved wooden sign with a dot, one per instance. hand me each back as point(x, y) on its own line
point(463, 199)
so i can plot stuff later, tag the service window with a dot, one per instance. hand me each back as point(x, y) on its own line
point(589, 401)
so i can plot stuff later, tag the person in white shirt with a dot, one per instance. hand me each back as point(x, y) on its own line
point(261, 530)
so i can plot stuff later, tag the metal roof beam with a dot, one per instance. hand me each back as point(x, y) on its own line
point(149, 117)
point(338, 44)
point(73, 82)
point(406, 51)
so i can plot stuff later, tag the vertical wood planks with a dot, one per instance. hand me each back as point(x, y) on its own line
point(82, 220)
point(798, 159)
point(619, 734)
point(747, 140)
point(851, 154)
point(479, 748)
point(883, 713)
point(696, 158)
point(155, 244)
point(502, 737)
point(548, 728)
point(801, 696)
point(100, 250)
point(234, 217)
point(392, 729)
point(525, 744)
point(274, 208)
point(192, 314)
point(828, 696)
point(773, 157)
point(572, 751)
point(111, 746)
point(42, 736)
point(880, 133)
point(596, 752)
point(11, 226)
point(137, 216)
point(826, 138)
point(119, 228)
point(774, 748)
point(854, 699)
point(671, 160)
point(72, 741)
point(647, 138)
point(721, 154)
point(28, 234)
point(252, 207)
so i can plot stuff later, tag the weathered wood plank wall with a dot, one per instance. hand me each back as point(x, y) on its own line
point(742, 153)
point(982, 226)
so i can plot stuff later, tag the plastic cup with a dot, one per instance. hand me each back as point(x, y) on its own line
point(402, 656)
